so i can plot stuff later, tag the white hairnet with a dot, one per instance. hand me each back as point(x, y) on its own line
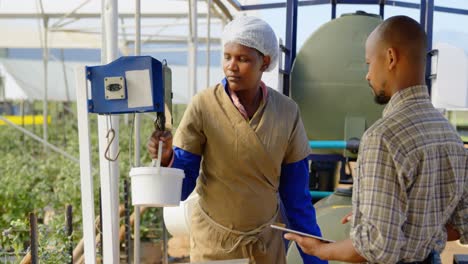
point(254, 33)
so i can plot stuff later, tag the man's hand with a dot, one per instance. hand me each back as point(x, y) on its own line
point(452, 233)
point(153, 144)
point(343, 250)
point(346, 218)
point(310, 246)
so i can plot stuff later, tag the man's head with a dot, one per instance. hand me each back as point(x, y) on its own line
point(396, 57)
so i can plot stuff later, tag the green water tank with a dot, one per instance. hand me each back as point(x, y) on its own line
point(328, 83)
point(328, 80)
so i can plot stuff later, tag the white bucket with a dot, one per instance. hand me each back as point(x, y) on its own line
point(156, 190)
point(178, 219)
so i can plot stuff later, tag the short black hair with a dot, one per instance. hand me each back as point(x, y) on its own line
point(406, 34)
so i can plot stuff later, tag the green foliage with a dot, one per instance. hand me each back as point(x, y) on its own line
point(33, 179)
point(15, 236)
point(54, 243)
point(151, 225)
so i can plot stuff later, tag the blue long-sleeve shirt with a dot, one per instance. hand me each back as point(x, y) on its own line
point(293, 190)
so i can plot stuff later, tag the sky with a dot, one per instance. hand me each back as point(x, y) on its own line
point(448, 28)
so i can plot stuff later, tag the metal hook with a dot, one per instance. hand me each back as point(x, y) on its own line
point(106, 153)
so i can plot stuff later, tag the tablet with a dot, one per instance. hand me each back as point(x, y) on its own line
point(301, 233)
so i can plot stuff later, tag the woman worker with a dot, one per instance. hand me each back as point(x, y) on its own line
point(251, 145)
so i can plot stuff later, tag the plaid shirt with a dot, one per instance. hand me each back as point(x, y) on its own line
point(411, 180)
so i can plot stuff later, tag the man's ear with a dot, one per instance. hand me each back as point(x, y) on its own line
point(266, 63)
point(392, 58)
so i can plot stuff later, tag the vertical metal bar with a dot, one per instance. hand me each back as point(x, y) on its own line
point(208, 43)
point(280, 65)
point(136, 209)
point(165, 238)
point(86, 176)
point(101, 239)
point(137, 27)
point(45, 63)
point(109, 170)
point(192, 47)
point(426, 20)
point(33, 236)
point(65, 77)
point(429, 29)
point(422, 14)
point(67, 95)
point(333, 9)
point(291, 33)
point(22, 120)
point(127, 219)
point(382, 9)
point(136, 159)
point(69, 223)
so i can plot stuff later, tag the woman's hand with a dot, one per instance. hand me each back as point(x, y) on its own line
point(153, 144)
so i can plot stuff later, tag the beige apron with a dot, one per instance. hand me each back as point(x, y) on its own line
point(240, 172)
point(212, 241)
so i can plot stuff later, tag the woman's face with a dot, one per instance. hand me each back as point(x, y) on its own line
point(243, 66)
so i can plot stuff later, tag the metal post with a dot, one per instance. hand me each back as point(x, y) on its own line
point(65, 77)
point(109, 170)
point(45, 59)
point(333, 9)
point(291, 32)
point(280, 63)
point(192, 47)
point(69, 223)
point(86, 176)
point(428, 27)
point(208, 43)
point(382, 8)
point(101, 240)
point(136, 161)
point(423, 13)
point(33, 237)
point(127, 219)
point(165, 259)
point(67, 95)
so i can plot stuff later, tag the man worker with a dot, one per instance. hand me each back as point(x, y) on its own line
point(410, 192)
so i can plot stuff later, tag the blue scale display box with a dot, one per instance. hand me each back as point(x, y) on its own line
point(130, 84)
